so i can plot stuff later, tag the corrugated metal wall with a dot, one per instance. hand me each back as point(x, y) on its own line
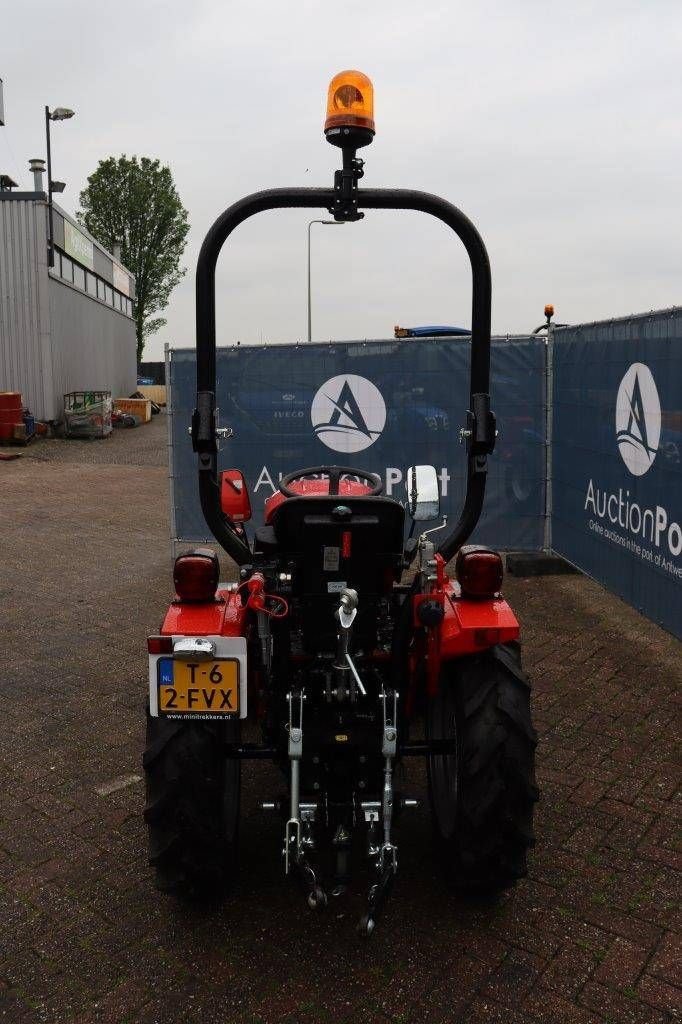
point(53, 338)
point(25, 362)
point(93, 346)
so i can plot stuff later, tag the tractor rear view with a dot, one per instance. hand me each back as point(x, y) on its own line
point(340, 637)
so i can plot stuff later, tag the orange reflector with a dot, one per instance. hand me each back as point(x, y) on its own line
point(350, 101)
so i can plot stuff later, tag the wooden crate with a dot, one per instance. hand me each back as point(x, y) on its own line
point(141, 407)
point(157, 392)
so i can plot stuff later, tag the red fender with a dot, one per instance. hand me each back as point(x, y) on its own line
point(226, 616)
point(469, 625)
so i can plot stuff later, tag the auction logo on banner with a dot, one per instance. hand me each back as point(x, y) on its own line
point(348, 413)
point(638, 419)
point(647, 531)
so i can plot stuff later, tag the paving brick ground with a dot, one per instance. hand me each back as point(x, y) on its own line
point(590, 936)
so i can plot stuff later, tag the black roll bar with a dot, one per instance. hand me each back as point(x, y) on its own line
point(480, 430)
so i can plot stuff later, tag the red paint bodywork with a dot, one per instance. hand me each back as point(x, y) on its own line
point(234, 495)
point(224, 617)
point(469, 625)
point(310, 488)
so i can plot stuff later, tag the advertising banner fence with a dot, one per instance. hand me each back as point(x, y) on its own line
point(378, 405)
point(615, 395)
point(617, 458)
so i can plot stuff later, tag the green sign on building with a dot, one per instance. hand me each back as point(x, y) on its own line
point(78, 246)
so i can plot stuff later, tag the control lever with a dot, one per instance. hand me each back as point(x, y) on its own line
point(426, 547)
point(348, 608)
point(435, 529)
point(346, 614)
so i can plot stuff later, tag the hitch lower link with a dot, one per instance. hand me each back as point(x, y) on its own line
point(384, 854)
point(298, 835)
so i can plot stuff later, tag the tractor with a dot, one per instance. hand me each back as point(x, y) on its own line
point(347, 642)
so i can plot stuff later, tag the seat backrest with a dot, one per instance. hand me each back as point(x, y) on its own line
point(335, 539)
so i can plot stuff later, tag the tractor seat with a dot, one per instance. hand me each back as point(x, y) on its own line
point(348, 538)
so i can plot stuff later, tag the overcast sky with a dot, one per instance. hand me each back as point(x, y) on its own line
point(557, 127)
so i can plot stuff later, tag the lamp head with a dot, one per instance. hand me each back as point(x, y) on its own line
point(61, 114)
point(350, 110)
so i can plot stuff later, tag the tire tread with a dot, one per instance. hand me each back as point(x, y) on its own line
point(497, 791)
point(191, 847)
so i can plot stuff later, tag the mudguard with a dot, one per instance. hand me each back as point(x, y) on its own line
point(468, 626)
point(226, 616)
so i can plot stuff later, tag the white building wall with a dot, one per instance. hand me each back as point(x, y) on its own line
point(54, 338)
point(93, 346)
point(25, 361)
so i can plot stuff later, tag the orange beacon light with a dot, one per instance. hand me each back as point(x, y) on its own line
point(350, 110)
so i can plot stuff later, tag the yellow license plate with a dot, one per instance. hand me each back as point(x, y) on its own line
point(198, 689)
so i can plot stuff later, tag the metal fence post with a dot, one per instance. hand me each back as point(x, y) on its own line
point(549, 414)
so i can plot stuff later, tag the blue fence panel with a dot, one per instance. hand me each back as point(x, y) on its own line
point(617, 458)
point(378, 405)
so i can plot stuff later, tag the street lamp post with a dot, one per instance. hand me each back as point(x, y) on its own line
point(58, 114)
point(332, 223)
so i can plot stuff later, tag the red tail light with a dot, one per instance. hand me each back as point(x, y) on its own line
point(196, 575)
point(479, 571)
point(160, 644)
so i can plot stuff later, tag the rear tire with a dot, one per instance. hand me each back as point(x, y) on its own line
point(483, 795)
point(192, 807)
